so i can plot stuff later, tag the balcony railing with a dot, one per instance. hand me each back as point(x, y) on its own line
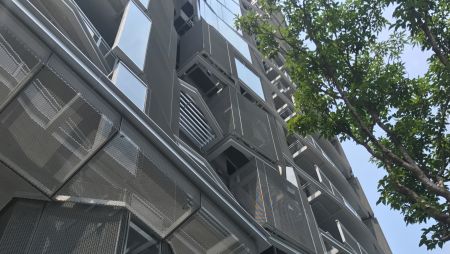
point(348, 239)
point(323, 179)
point(102, 45)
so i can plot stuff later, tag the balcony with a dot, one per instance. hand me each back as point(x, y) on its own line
point(308, 155)
point(244, 122)
point(68, 18)
point(273, 201)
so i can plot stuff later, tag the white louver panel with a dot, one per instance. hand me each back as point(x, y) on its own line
point(193, 122)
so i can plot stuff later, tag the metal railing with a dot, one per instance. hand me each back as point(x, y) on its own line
point(104, 48)
point(323, 179)
point(350, 240)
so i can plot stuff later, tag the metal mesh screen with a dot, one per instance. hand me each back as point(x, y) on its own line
point(289, 215)
point(132, 171)
point(75, 228)
point(17, 224)
point(256, 128)
point(50, 129)
point(12, 185)
point(273, 201)
point(16, 61)
point(208, 231)
point(246, 187)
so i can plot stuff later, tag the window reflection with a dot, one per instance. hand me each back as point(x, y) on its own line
point(221, 15)
point(134, 33)
point(130, 85)
point(249, 78)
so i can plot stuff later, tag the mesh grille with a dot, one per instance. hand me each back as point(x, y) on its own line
point(193, 123)
point(205, 234)
point(50, 129)
point(256, 127)
point(130, 170)
point(17, 224)
point(72, 228)
point(15, 63)
point(273, 201)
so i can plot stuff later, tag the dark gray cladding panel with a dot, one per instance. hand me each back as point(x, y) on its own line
point(193, 41)
point(160, 64)
point(28, 226)
point(12, 185)
point(219, 49)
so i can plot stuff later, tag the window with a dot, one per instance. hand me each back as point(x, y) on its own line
point(221, 17)
point(134, 34)
point(130, 85)
point(249, 78)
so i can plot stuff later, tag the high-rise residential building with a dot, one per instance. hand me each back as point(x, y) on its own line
point(155, 126)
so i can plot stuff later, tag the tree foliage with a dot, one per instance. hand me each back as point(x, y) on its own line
point(354, 86)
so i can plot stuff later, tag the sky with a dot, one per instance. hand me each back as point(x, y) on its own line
point(401, 238)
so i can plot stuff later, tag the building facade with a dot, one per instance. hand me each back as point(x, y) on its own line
point(155, 126)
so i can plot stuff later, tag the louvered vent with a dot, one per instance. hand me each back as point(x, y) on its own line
point(193, 122)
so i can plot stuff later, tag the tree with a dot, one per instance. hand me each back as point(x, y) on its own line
point(353, 86)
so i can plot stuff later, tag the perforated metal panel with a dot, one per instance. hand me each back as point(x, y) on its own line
point(273, 202)
point(76, 228)
point(12, 185)
point(209, 231)
point(51, 128)
point(16, 62)
point(132, 171)
point(28, 226)
point(256, 129)
point(17, 224)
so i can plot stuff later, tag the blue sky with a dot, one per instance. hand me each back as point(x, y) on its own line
point(402, 239)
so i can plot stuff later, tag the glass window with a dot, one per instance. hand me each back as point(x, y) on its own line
point(15, 63)
point(249, 78)
point(49, 130)
point(221, 17)
point(134, 34)
point(130, 85)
